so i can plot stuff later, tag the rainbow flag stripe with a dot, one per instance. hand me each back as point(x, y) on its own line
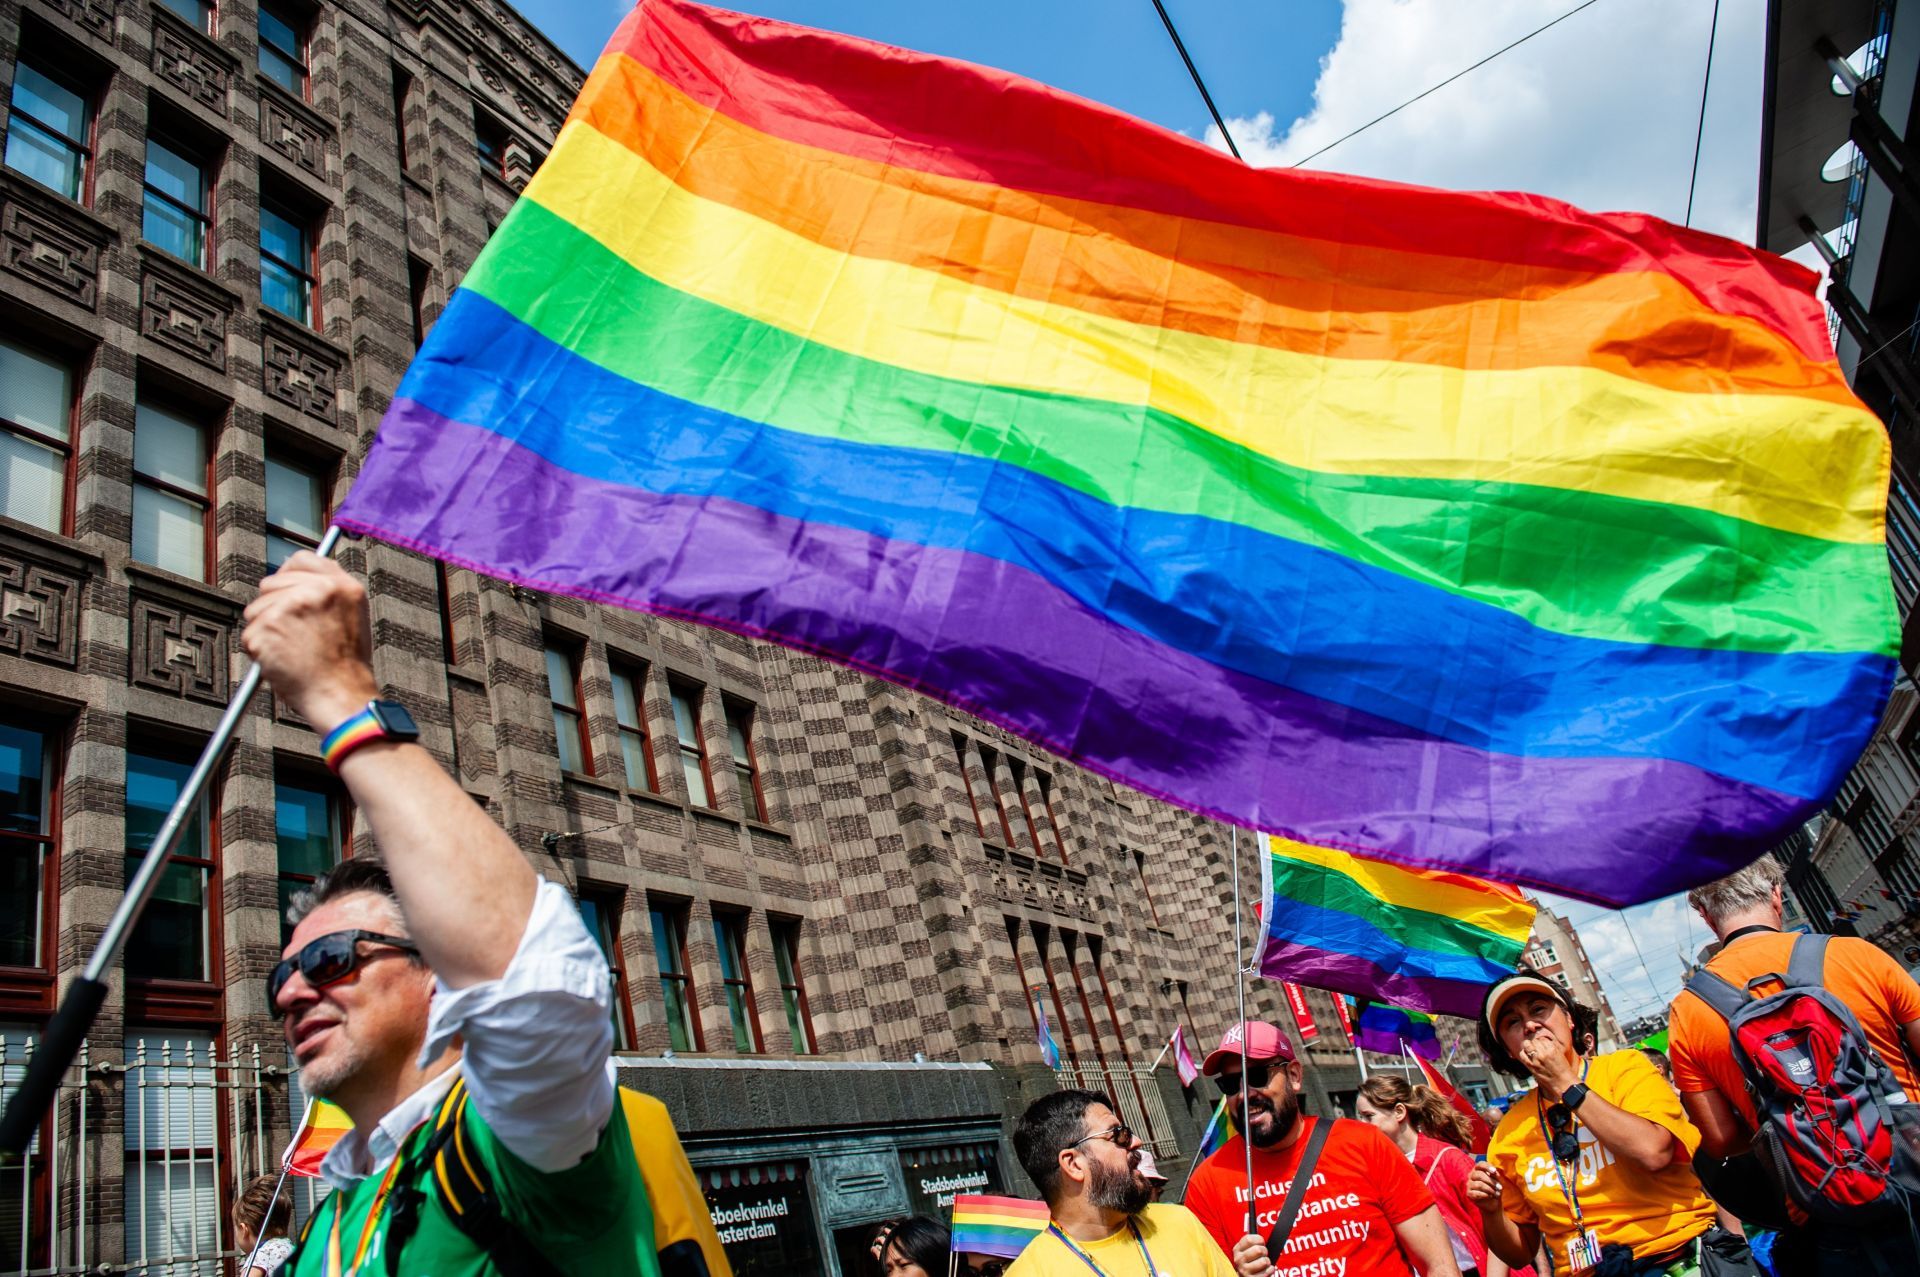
point(1421, 938)
point(1395, 1030)
point(996, 1225)
point(326, 1124)
point(1468, 530)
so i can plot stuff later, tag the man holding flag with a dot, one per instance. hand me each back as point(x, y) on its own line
point(1363, 1212)
point(450, 995)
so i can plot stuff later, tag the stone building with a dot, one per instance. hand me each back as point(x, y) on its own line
point(833, 906)
point(1554, 952)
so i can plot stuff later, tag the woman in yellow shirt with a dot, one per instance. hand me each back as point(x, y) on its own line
point(1597, 1161)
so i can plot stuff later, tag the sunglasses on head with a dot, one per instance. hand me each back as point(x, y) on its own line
point(1259, 1073)
point(1566, 1144)
point(329, 959)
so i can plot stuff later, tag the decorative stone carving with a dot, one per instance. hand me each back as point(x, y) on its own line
point(39, 610)
point(298, 370)
point(290, 132)
point(176, 650)
point(55, 249)
point(191, 64)
point(94, 17)
point(183, 313)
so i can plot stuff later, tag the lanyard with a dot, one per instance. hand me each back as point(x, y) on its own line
point(1087, 1259)
point(366, 1229)
point(1568, 1180)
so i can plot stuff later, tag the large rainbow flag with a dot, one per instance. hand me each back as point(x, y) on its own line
point(1470, 531)
point(1422, 938)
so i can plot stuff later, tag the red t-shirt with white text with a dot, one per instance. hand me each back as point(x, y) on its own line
point(1362, 1187)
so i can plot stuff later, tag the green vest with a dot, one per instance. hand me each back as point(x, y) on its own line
point(590, 1218)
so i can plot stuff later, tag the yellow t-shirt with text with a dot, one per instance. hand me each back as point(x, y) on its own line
point(1180, 1247)
point(1621, 1203)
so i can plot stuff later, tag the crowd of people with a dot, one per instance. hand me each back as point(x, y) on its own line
point(455, 1006)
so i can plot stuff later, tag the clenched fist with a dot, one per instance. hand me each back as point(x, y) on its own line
point(1483, 1187)
point(309, 631)
point(1250, 1257)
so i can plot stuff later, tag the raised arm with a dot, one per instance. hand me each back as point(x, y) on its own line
point(465, 888)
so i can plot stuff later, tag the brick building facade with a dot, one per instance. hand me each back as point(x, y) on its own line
point(223, 231)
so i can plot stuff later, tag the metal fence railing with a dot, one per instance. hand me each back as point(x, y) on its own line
point(136, 1168)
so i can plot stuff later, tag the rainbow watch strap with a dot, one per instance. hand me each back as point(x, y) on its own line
point(351, 735)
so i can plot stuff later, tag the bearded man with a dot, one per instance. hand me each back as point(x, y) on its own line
point(1364, 1211)
point(1086, 1164)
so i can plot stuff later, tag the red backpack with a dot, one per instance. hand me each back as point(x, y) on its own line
point(1836, 1132)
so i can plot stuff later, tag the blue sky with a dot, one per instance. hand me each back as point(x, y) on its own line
point(1600, 110)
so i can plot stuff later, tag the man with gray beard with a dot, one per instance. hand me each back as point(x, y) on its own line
point(1364, 1211)
point(1086, 1164)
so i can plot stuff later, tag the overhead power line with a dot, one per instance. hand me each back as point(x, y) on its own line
point(1700, 130)
point(1200, 84)
point(1588, 4)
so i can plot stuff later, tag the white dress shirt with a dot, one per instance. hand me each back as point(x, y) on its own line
point(538, 1042)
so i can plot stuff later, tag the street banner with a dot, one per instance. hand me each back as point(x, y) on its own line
point(1183, 1064)
point(1302, 1013)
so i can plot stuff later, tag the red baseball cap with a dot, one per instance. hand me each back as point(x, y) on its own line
point(1264, 1042)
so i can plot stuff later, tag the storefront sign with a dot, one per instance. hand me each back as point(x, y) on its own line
point(934, 1175)
point(764, 1216)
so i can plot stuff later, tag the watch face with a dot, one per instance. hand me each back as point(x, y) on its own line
point(394, 720)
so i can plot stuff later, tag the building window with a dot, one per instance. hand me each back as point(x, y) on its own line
point(1063, 1031)
point(170, 486)
point(49, 129)
point(786, 961)
point(309, 824)
point(990, 764)
point(1140, 867)
point(26, 844)
point(569, 724)
point(746, 771)
point(197, 14)
point(669, 923)
point(490, 141)
point(1046, 805)
point(402, 95)
point(171, 940)
point(443, 583)
point(36, 436)
point(175, 218)
point(283, 48)
point(296, 509)
point(966, 783)
point(172, 1140)
point(630, 714)
point(600, 910)
point(1017, 770)
point(286, 264)
point(693, 748)
point(417, 277)
point(730, 937)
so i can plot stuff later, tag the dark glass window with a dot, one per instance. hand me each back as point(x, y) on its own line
point(197, 13)
point(296, 508)
point(786, 960)
point(36, 436)
point(730, 937)
point(309, 827)
point(26, 843)
point(286, 264)
point(569, 724)
point(746, 771)
point(669, 922)
point(171, 940)
point(630, 712)
point(283, 48)
point(693, 747)
point(49, 129)
point(490, 141)
point(175, 217)
point(600, 910)
point(170, 487)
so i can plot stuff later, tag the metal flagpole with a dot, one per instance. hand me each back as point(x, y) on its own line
point(1240, 994)
point(1163, 1055)
point(78, 1008)
point(260, 1237)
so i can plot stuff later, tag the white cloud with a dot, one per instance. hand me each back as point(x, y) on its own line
point(1599, 111)
point(1664, 933)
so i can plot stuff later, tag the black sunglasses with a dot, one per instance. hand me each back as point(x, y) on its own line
point(1566, 1145)
point(329, 959)
point(1259, 1073)
point(1120, 1135)
point(988, 1268)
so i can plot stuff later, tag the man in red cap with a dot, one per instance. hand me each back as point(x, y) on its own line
point(1363, 1212)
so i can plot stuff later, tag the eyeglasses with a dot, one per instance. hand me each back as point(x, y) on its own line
point(1120, 1135)
point(329, 960)
point(1566, 1144)
point(989, 1268)
point(1259, 1073)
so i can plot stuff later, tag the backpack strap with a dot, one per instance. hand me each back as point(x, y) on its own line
point(461, 1183)
point(1807, 964)
point(1297, 1191)
point(1722, 996)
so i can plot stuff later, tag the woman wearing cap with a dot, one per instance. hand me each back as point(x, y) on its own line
point(1597, 1161)
point(1435, 1138)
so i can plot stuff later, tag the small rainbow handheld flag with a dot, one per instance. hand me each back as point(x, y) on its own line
point(1421, 938)
point(1396, 1030)
point(322, 1127)
point(999, 1226)
point(1219, 1131)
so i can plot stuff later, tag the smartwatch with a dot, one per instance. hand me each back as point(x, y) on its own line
point(1574, 1095)
point(380, 720)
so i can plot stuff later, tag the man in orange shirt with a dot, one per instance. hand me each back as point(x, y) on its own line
point(1744, 911)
